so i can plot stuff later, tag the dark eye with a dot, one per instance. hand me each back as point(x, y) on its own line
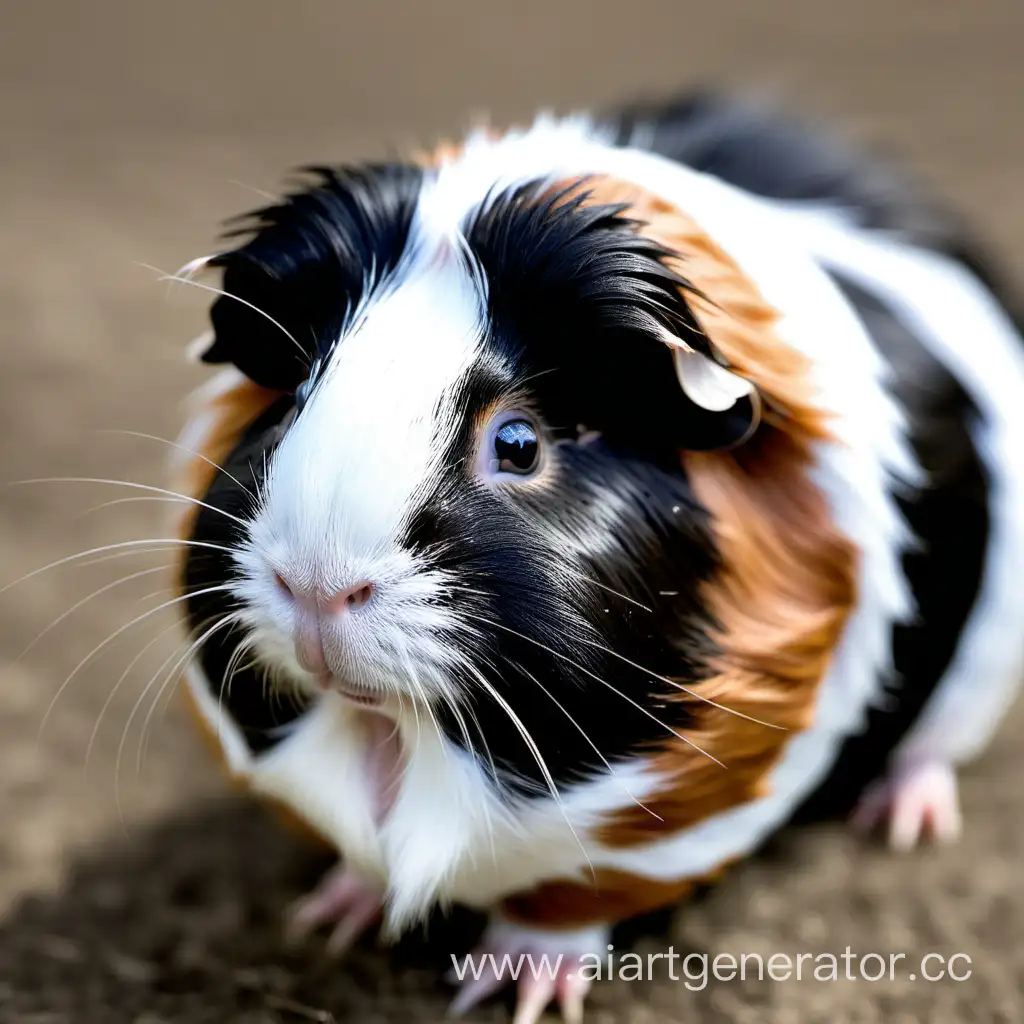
point(516, 447)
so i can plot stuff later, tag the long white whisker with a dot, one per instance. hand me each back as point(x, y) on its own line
point(537, 755)
point(590, 742)
point(117, 686)
point(183, 448)
point(138, 703)
point(234, 664)
point(420, 695)
point(171, 675)
point(679, 686)
point(193, 267)
point(456, 711)
point(129, 501)
point(603, 682)
point(269, 196)
point(164, 276)
point(452, 705)
point(227, 679)
point(136, 486)
point(119, 546)
point(597, 583)
point(113, 636)
point(85, 600)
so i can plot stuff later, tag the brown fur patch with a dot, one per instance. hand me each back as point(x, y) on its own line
point(611, 896)
point(224, 417)
point(787, 583)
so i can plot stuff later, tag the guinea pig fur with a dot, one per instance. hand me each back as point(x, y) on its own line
point(582, 503)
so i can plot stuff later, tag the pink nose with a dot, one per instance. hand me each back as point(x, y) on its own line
point(350, 598)
point(310, 607)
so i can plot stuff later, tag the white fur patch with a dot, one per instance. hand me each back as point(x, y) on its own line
point(344, 478)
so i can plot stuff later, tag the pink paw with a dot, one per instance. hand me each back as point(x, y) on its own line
point(545, 966)
point(343, 897)
point(917, 798)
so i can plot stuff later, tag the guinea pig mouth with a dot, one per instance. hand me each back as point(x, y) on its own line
point(357, 694)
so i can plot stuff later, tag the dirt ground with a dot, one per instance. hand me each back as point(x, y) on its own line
point(135, 888)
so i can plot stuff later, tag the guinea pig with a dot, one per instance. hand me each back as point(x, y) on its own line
point(578, 505)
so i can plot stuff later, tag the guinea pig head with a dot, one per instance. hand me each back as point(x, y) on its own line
point(464, 497)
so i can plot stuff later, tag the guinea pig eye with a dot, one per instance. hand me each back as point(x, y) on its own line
point(516, 448)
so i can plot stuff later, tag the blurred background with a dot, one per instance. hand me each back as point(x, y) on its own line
point(133, 888)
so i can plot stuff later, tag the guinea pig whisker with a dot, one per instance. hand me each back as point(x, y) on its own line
point(144, 731)
point(117, 686)
point(533, 376)
point(685, 689)
point(259, 485)
point(453, 706)
point(561, 707)
point(237, 298)
point(113, 636)
point(135, 545)
point(128, 501)
point(183, 448)
point(163, 702)
point(224, 620)
point(234, 665)
point(531, 744)
point(157, 593)
point(598, 583)
point(135, 707)
point(85, 600)
point(131, 483)
point(258, 500)
point(172, 673)
point(419, 697)
point(603, 682)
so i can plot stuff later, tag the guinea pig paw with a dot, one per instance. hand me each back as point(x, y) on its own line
point(343, 897)
point(544, 965)
point(916, 798)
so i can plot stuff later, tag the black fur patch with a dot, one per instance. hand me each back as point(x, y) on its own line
point(583, 277)
point(312, 257)
point(950, 519)
point(768, 154)
point(260, 712)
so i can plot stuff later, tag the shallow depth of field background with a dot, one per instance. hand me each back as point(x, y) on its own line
point(128, 130)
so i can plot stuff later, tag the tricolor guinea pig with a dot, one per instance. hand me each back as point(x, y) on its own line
point(579, 505)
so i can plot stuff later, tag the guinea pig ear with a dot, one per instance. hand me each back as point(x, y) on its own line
point(725, 408)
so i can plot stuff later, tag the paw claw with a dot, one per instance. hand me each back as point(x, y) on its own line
point(534, 996)
point(917, 799)
point(571, 992)
point(474, 991)
point(357, 919)
point(343, 897)
point(544, 965)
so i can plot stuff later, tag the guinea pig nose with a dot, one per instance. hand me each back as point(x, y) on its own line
point(351, 598)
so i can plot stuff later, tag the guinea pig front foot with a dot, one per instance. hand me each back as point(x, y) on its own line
point(544, 965)
point(343, 897)
point(916, 798)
